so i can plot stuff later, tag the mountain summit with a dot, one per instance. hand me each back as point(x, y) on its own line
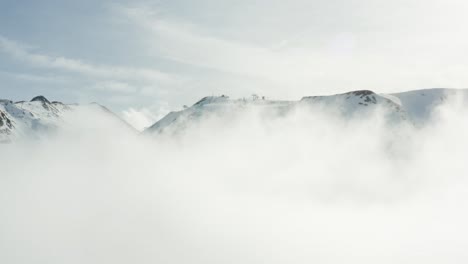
point(39, 115)
point(40, 98)
point(414, 107)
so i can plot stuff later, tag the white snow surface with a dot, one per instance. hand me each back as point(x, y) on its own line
point(40, 117)
point(420, 104)
point(413, 107)
point(37, 118)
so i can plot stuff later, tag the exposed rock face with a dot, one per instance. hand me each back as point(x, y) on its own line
point(6, 127)
point(40, 98)
point(43, 100)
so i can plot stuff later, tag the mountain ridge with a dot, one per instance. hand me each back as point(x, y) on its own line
point(25, 118)
point(413, 106)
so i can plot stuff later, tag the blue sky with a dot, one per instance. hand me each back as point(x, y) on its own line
point(144, 58)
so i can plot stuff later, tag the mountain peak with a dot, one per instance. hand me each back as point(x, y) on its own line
point(212, 99)
point(362, 93)
point(40, 98)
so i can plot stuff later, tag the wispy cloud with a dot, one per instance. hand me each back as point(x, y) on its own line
point(141, 118)
point(330, 55)
point(22, 53)
point(34, 77)
point(184, 42)
point(115, 86)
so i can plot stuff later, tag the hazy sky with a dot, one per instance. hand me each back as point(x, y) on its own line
point(158, 55)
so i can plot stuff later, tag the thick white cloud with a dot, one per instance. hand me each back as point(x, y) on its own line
point(144, 117)
point(301, 188)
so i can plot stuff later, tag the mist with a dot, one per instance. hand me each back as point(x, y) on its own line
point(303, 187)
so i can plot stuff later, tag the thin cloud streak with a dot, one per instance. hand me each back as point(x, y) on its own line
point(362, 53)
point(181, 41)
point(21, 53)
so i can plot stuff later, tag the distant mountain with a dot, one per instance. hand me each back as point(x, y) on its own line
point(38, 117)
point(413, 107)
point(420, 104)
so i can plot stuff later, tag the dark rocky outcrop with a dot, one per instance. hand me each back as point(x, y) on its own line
point(40, 98)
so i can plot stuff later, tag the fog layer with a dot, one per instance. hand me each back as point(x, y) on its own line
point(307, 187)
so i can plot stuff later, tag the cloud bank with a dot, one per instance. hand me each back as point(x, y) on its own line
point(302, 188)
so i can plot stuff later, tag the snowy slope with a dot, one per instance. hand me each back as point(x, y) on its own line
point(6, 125)
point(357, 103)
point(349, 105)
point(33, 119)
point(213, 105)
point(414, 107)
point(38, 117)
point(419, 104)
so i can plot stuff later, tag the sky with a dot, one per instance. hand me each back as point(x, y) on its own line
point(145, 58)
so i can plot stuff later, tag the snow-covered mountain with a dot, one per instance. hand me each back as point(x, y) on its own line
point(414, 107)
point(38, 117)
point(420, 104)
